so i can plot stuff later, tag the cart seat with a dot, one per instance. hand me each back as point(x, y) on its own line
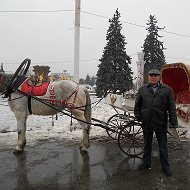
point(177, 76)
point(183, 97)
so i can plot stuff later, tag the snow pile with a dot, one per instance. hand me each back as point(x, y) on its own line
point(40, 127)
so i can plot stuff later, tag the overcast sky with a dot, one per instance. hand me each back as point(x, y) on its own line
point(47, 38)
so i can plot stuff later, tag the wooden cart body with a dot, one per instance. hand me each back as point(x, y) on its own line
point(177, 76)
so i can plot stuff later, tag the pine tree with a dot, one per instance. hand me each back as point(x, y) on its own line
point(153, 48)
point(114, 72)
point(92, 81)
point(87, 79)
point(81, 81)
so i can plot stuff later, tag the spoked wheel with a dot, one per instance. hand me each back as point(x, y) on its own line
point(116, 123)
point(22, 70)
point(130, 139)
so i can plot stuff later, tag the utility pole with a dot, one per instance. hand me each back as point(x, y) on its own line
point(77, 40)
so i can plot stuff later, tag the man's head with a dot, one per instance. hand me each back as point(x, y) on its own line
point(153, 76)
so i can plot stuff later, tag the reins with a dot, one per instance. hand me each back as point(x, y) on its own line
point(11, 89)
point(99, 123)
point(11, 99)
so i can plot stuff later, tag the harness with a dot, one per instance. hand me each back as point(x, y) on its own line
point(63, 102)
point(55, 102)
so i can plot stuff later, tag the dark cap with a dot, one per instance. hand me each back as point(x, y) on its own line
point(154, 72)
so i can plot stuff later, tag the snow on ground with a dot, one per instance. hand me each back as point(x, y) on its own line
point(40, 127)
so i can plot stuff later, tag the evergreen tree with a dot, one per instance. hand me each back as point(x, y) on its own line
point(153, 48)
point(81, 81)
point(114, 72)
point(92, 81)
point(88, 79)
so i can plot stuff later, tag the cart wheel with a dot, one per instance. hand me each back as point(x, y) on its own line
point(21, 70)
point(116, 123)
point(130, 139)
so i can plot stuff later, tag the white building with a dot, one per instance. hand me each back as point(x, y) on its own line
point(140, 70)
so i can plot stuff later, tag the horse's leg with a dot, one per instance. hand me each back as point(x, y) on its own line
point(85, 141)
point(83, 115)
point(86, 131)
point(21, 127)
point(86, 126)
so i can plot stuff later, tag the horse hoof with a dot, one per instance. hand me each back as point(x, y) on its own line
point(84, 154)
point(83, 148)
point(17, 151)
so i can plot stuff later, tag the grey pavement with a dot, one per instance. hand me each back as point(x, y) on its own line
point(60, 165)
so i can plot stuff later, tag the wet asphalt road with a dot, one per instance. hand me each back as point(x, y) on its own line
point(60, 165)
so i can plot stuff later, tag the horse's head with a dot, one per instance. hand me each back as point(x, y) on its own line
point(3, 81)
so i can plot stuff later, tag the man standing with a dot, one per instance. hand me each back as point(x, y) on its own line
point(154, 102)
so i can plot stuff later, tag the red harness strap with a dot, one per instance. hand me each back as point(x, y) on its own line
point(71, 105)
point(52, 95)
point(53, 99)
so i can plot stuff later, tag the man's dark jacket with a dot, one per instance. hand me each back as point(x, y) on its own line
point(153, 109)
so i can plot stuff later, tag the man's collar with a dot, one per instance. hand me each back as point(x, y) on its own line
point(156, 85)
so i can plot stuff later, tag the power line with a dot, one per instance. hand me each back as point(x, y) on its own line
point(134, 24)
point(94, 14)
point(89, 13)
point(50, 62)
point(177, 34)
point(168, 57)
point(30, 11)
point(178, 58)
point(83, 60)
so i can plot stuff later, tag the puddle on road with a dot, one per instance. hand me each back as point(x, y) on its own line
point(55, 165)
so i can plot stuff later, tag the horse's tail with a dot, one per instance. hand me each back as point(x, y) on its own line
point(87, 112)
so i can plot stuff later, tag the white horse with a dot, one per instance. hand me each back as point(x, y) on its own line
point(60, 94)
